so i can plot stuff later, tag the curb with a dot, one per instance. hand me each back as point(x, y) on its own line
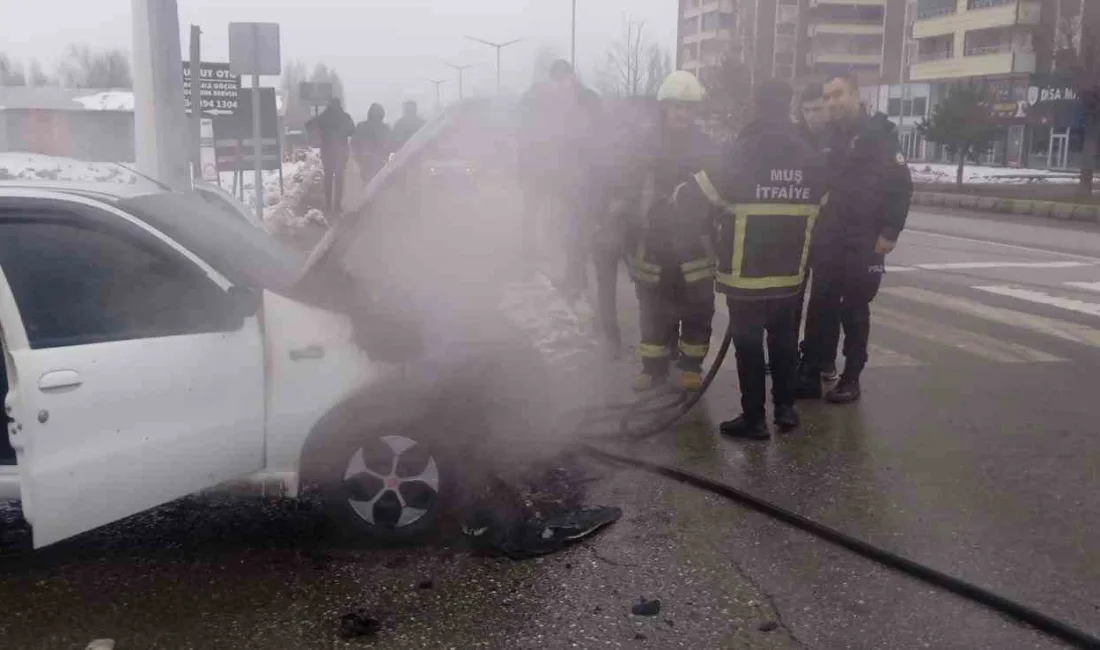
point(1045, 209)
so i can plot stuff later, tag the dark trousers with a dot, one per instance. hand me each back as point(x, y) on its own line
point(751, 319)
point(675, 314)
point(606, 260)
point(841, 299)
point(334, 184)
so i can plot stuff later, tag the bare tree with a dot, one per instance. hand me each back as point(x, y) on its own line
point(1079, 57)
point(297, 113)
point(11, 72)
point(634, 66)
point(83, 67)
point(37, 77)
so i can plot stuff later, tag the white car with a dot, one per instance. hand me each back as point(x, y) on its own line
point(154, 347)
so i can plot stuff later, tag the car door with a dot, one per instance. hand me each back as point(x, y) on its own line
point(137, 378)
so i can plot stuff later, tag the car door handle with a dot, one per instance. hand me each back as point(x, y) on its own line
point(58, 379)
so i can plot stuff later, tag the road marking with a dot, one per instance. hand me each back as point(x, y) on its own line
point(883, 357)
point(949, 266)
point(979, 345)
point(1060, 329)
point(1071, 304)
point(900, 269)
point(1030, 249)
point(1087, 286)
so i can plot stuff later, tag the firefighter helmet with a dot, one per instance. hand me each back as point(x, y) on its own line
point(681, 86)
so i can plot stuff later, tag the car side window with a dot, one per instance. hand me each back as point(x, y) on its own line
point(76, 283)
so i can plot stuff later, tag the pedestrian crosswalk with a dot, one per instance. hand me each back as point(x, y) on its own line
point(916, 327)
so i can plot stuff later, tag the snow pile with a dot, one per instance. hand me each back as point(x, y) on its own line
point(34, 167)
point(978, 174)
point(110, 100)
point(289, 212)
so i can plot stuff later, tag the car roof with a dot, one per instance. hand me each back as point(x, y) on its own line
point(102, 191)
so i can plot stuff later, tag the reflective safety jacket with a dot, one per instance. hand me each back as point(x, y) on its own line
point(666, 242)
point(764, 197)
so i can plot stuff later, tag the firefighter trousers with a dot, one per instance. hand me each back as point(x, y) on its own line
point(676, 321)
point(751, 319)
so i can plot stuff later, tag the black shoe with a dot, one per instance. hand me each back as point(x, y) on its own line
point(786, 418)
point(807, 385)
point(741, 427)
point(846, 392)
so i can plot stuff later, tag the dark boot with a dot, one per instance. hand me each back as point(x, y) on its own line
point(786, 418)
point(846, 392)
point(745, 428)
point(807, 384)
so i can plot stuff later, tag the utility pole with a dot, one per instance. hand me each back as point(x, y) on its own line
point(438, 96)
point(499, 47)
point(160, 120)
point(573, 38)
point(460, 69)
point(196, 102)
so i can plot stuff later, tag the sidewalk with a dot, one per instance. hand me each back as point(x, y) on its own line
point(1004, 205)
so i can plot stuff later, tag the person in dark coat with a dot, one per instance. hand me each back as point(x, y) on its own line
point(407, 126)
point(372, 142)
point(870, 189)
point(334, 127)
point(557, 153)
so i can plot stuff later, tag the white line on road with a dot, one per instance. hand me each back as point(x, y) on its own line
point(980, 345)
point(1087, 286)
point(1039, 297)
point(1018, 247)
point(950, 266)
point(1039, 324)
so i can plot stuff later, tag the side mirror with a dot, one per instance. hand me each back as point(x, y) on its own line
point(244, 302)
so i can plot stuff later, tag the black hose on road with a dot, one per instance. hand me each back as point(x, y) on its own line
point(1022, 613)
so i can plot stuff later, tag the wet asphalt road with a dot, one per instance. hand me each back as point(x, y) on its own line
point(974, 450)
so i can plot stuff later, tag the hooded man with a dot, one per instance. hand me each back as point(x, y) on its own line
point(334, 127)
point(407, 126)
point(371, 143)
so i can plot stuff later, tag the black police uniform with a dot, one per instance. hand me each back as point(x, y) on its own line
point(869, 193)
point(765, 197)
point(670, 257)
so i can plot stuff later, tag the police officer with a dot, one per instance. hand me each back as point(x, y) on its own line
point(670, 259)
point(869, 192)
point(765, 196)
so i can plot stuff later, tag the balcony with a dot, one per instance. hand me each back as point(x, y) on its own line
point(977, 65)
point(982, 14)
point(847, 28)
point(847, 58)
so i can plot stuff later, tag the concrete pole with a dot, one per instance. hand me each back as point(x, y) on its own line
point(258, 147)
point(196, 102)
point(160, 120)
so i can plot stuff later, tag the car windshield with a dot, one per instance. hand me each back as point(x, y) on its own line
point(245, 254)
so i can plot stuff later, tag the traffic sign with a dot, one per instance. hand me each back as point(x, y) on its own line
point(219, 89)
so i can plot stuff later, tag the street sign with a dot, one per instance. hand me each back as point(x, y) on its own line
point(219, 89)
point(254, 48)
point(239, 125)
point(313, 93)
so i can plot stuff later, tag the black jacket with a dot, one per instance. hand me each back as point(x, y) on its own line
point(335, 127)
point(869, 192)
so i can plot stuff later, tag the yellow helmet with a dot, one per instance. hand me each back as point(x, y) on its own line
point(681, 86)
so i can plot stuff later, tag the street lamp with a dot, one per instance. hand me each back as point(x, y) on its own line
point(460, 69)
point(499, 47)
point(438, 83)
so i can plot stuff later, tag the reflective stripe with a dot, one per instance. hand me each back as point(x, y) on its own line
point(695, 265)
point(702, 274)
point(741, 214)
point(694, 351)
point(648, 351)
point(703, 181)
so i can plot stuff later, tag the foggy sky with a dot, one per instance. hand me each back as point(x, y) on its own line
point(383, 49)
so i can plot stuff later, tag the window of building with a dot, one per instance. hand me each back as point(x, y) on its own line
point(690, 52)
point(77, 285)
point(985, 4)
point(893, 107)
point(935, 8)
point(786, 14)
point(690, 26)
point(727, 21)
point(920, 107)
point(711, 21)
point(786, 29)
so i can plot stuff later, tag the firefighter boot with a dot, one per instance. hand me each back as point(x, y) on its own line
point(691, 381)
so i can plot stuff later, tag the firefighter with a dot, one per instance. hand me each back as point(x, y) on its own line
point(765, 196)
point(670, 260)
point(870, 189)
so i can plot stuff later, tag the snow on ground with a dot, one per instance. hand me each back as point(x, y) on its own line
point(32, 166)
point(978, 174)
point(111, 100)
point(285, 211)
